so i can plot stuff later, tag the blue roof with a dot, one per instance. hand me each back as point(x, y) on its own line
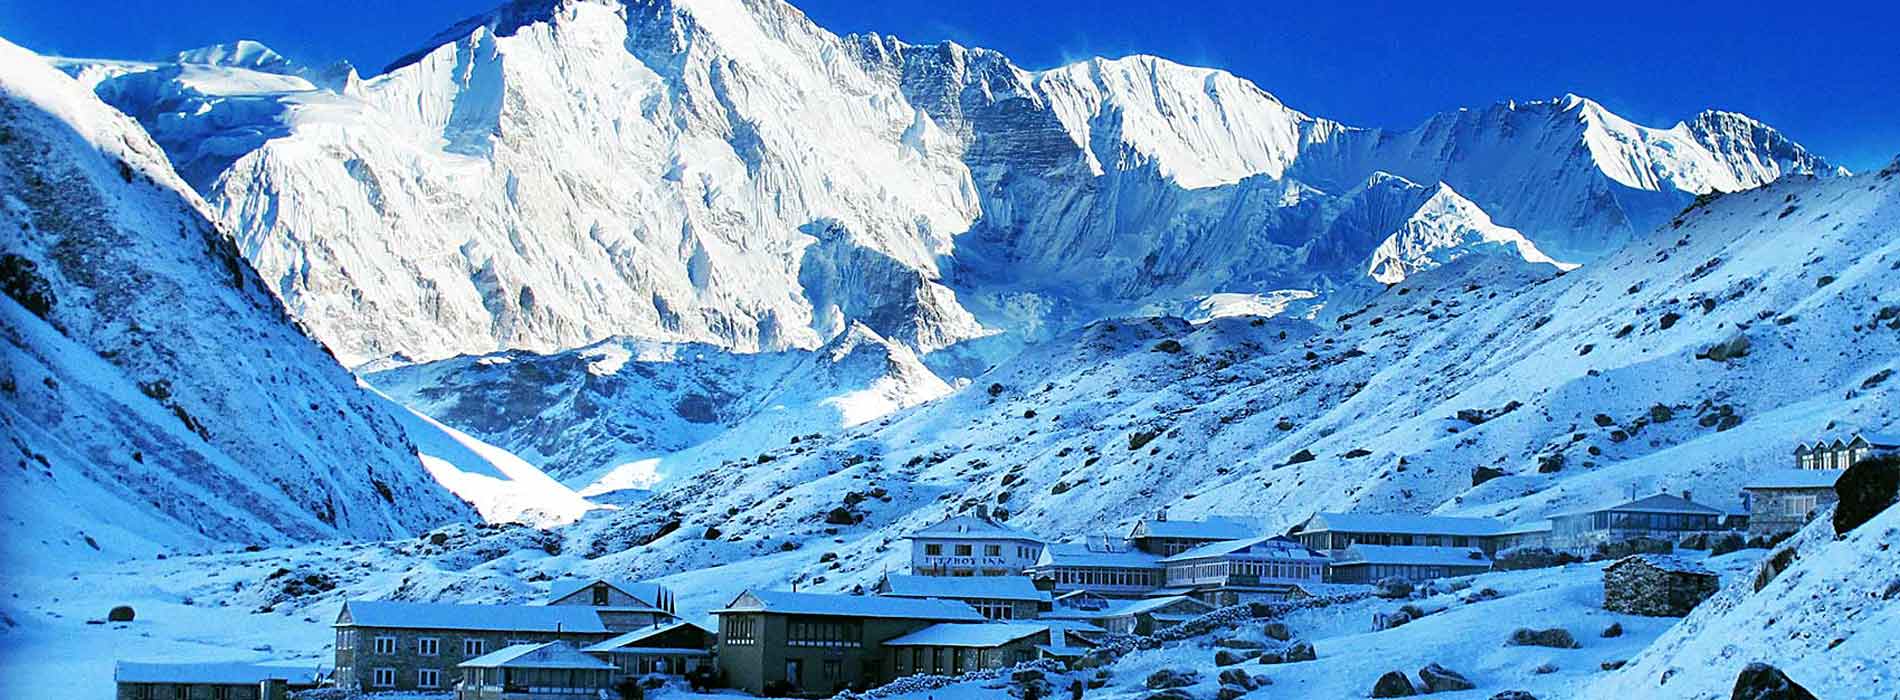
point(1795, 479)
point(210, 673)
point(970, 527)
point(1269, 546)
point(1403, 523)
point(963, 587)
point(649, 593)
point(790, 603)
point(622, 640)
point(983, 635)
point(556, 655)
point(1079, 554)
point(1213, 528)
point(457, 616)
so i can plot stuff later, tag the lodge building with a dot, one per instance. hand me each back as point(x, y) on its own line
point(811, 643)
point(1243, 571)
point(972, 545)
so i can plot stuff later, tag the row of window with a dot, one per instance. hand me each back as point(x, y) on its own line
point(385, 677)
point(425, 646)
point(964, 550)
point(823, 633)
point(737, 629)
point(1107, 577)
point(183, 692)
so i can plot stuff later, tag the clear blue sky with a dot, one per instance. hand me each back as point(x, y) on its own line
point(1827, 74)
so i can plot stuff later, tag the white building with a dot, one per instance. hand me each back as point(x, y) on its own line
point(1241, 571)
point(972, 545)
point(1099, 566)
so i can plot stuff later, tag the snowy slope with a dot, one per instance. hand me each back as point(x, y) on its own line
point(1828, 621)
point(1090, 431)
point(625, 413)
point(156, 393)
point(558, 172)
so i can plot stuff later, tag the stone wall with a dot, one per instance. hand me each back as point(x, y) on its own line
point(1638, 588)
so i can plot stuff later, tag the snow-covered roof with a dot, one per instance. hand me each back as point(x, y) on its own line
point(1527, 528)
point(790, 603)
point(210, 673)
point(1319, 590)
point(1665, 503)
point(1213, 528)
point(1412, 555)
point(1672, 564)
point(622, 640)
point(1272, 547)
point(963, 587)
point(543, 655)
point(456, 616)
point(1403, 523)
point(1882, 440)
point(984, 635)
point(1126, 608)
point(1794, 479)
point(1078, 554)
point(970, 527)
point(649, 593)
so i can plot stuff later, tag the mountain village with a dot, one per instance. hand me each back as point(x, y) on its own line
point(981, 596)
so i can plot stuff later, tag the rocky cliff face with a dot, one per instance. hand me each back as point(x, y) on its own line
point(724, 171)
point(156, 393)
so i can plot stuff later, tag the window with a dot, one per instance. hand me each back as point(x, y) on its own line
point(428, 646)
point(822, 632)
point(383, 678)
point(833, 669)
point(219, 692)
point(474, 647)
point(346, 639)
point(933, 550)
point(963, 550)
point(992, 550)
point(739, 629)
point(385, 645)
point(428, 678)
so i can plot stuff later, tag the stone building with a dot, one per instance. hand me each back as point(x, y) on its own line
point(674, 648)
point(1656, 585)
point(1100, 566)
point(384, 645)
point(1165, 537)
point(1660, 517)
point(1784, 500)
point(1241, 571)
point(1332, 533)
point(209, 681)
point(972, 545)
point(996, 597)
point(1369, 563)
point(811, 643)
point(622, 606)
point(544, 671)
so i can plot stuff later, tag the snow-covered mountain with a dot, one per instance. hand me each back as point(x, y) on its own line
point(558, 172)
point(627, 413)
point(156, 394)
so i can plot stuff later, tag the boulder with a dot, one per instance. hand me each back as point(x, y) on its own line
point(1866, 488)
point(1272, 657)
point(1279, 631)
point(1545, 669)
point(1393, 685)
point(122, 613)
point(1239, 644)
point(1229, 657)
point(1614, 664)
point(1484, 474)
point(1614, 630)
point(1555, 638)
point(1238, 678)
point(1230, 692)
point(1438, 679)
point(1514, 695)
point(1301, 651)
point(1392, 588)
point(1170, 694)
point(1171, 678)
point(1761, 681)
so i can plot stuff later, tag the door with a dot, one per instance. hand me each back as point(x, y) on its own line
point(795, 672)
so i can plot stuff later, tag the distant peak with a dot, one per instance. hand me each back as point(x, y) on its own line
point(243, 53)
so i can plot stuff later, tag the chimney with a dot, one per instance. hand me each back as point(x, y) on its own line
point(1685, 495)
point(983, 512)
point(1161, 514)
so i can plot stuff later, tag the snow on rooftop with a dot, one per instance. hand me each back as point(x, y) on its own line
point(967, 635)
point(992, 587)
point(621, 640)
point(1673, 564)
point(209, 673)
point(553, 655)
point(1269, 546)
point(791, 603)
point(1413, 555)
point(648, 593)
point(971, 527)
point(1078, 554)
point(1664, 503)
point(1794, 479)
point(1404, 522)
point(1212, 528)
point(455, 616)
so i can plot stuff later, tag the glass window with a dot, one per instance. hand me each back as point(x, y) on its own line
point(933, 550)
point(963, 550)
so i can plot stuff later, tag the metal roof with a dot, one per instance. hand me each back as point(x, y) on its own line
point(1271, 546)
point(1213, 528)
point(1078, 554)
point(970, 527)
point(622, 640)
point(790, 603)
point(543, 655)
point(1665, 562)
point(1794, 479)
point(456, 616)
point(963, 587)
point(984, 635)
point(210, 673)
point(1412, 555)
point(649, 593)
point(1403, 523)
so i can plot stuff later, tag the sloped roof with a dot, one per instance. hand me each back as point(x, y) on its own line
point(1883, 440)
point(1412, 555)
point(1794, 479)
point(790, 603)
point(1665, 503)
point(1526, 528)
point(1213, 528)
point(643, 633)
point(1125, 608)
point(1403, 523)
point(1672, 564)
point(1271, 546)
point(963, 587)
point(970, 527)
point(648, 593)
point(209, 673)
point(982, 635)
point(456, 616)
point(542, 655)
point(1078, 554)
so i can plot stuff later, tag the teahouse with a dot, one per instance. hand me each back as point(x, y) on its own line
point(972, 545)
point(811, 643)
point(544, 671)
point(223, 681)
point(1784, 500)
point(996, 597)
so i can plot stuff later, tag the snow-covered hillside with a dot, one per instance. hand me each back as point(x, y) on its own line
point(626, 413)
point(156, 395)
point(1578, 388)
point(557, 172)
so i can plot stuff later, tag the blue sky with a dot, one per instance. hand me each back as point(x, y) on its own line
point(1827, 74)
